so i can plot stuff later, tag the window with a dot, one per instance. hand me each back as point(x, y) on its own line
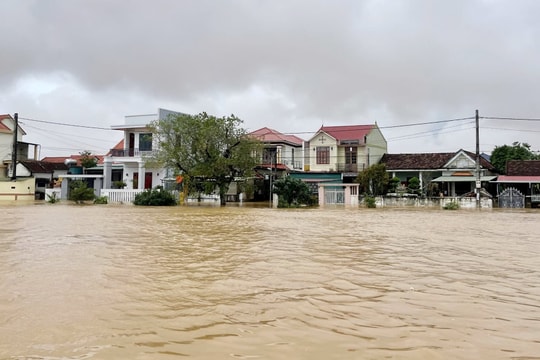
point(323, 155)
point(350, 155)
point(145, 142)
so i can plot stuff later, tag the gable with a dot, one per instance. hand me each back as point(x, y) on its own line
point(461, 161)
point(347, 132)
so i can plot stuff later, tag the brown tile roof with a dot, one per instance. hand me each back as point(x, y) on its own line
point(42, 166)
point(523, 168)
point(426, 160)
point(268, 135)
point(416, 161)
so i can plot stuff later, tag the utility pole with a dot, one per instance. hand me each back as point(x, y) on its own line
point(14, 151)
point(478, 179)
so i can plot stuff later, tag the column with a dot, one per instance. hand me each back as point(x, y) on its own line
point(107, 172)
point(142, 170)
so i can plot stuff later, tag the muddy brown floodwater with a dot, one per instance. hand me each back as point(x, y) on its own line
point(247, 282)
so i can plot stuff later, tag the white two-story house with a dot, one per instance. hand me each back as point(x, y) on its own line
point(136, 147)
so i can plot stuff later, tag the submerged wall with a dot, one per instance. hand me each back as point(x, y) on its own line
point(464, 202)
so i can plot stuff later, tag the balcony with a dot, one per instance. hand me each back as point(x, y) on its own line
point(130, 152)
point(351, 168)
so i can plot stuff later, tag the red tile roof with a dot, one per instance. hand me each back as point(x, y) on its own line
point(268, 135)
point(3, 127)
point(61, 159)
point(347, 132)
point(518, 179)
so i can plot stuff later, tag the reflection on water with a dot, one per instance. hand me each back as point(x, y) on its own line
point(125, 282)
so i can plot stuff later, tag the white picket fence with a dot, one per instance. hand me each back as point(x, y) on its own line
point(120, 196)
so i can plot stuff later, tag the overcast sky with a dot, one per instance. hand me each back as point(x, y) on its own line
point(289, 65)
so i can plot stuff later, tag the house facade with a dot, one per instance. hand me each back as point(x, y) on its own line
point(136, 146)
point(280, 149)
point(447, 174)
point(344, 149)
point(23, 187)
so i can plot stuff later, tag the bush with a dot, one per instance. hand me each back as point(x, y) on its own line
point(101, 200)
point(370, 202)
point(452, 205)
point(80, 192)
point(52, 198)
point(155, 197)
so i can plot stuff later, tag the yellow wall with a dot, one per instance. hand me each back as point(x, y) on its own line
point(22, 189)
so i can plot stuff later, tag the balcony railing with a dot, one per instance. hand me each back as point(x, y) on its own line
point(129, 152)
point(353, 168)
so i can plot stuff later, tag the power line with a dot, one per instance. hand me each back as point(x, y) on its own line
point(426, 123)
point(65, 124)
point(509, 118)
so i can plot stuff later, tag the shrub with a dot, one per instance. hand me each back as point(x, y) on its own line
point(155, 197)
point(80, 192)
point(370, 202)
point(452, 205)
point(52, 198)
point(101, 200)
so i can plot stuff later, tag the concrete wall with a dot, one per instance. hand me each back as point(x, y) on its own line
point(22, 189)
point(464, 203)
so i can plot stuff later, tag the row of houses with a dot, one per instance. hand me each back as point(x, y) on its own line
point(333, 155)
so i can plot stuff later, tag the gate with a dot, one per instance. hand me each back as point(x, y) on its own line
point(334, 195)
point(511, 198)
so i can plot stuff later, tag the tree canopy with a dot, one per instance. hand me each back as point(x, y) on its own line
point(374, 180)
point(292, 192)
point(518, 151)
point(208, 151)
point(88, 160)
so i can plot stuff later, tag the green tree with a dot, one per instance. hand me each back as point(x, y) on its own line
point(393, 184)
point(518, 151)
point(414, 185)
point(374, 180)
point(87, 160)
point(292, 192)
point(80, 192)
point(210, 152)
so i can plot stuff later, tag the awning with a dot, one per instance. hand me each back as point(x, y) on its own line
point(462, 178)
point(518, 179)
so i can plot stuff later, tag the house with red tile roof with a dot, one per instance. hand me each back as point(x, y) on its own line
point(347, 149)
point(281, 154)
point(452, 174)
point(280, 150)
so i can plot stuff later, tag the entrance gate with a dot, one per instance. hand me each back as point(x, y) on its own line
point(511, 198)
point(334, 195)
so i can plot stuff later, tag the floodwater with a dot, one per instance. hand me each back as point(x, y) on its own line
point(246, 282)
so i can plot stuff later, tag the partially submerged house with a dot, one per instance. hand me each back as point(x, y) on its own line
point(281, 154)
point(447, 174)
point(13, 186)
point(133, 151)
point(520, 187)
